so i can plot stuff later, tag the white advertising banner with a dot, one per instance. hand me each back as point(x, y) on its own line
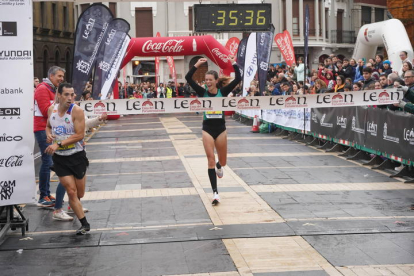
point(293, 118)
point(17, 181)
point(180, 105)
point(250, 63)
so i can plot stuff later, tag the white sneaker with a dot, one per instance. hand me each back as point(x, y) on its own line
point(70, 211)
point(219, 172)
point(61, 215)
point(216, 199)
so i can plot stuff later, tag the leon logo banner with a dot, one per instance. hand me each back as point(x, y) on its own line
point(90, 33)
point(284, 42)
point(109, 58)
point(179, 105)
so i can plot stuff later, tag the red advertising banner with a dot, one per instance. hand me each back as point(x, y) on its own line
point(157, 65)
point(232, 45)
point(284, 42)
point(171, 65)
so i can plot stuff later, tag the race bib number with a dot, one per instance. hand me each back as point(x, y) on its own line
point(214, 114)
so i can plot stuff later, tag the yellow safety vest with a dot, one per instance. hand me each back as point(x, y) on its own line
point(169, 92)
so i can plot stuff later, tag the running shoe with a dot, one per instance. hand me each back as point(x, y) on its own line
point(70, 211)
point(45, 202)
point(61, 215)
point(219, 172)
point(52, 198)
point(216, 199)
point(83, 230)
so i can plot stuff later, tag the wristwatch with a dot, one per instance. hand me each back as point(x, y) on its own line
point(59, 144)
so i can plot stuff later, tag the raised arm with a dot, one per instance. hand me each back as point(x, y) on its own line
point(189, 78)
point(230, 87)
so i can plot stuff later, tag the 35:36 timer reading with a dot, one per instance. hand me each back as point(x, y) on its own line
point(233, 18)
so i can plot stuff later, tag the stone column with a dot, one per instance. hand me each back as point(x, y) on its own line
point(301, 24)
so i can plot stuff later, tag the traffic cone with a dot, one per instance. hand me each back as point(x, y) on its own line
point(255, 126)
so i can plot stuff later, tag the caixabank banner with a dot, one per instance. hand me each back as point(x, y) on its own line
point(386, 131)
point(17, 181)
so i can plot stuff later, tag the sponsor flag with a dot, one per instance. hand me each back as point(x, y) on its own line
point(157, 65)
point(264, 42)
point(110, 56)
point(284, 42)
point(241, 54)
point(306, 36)
point(90, 33)
point(232, 45)
point(171, 65)
point(250, 63)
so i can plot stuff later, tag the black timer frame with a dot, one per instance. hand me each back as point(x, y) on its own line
point(204, 14)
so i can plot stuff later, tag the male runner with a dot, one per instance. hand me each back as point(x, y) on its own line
point(65, 130)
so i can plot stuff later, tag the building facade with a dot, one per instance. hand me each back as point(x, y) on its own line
point(53, 37)
point(333, 26)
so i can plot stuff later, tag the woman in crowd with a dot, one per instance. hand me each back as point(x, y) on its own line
point(340, 83)
point(214, 125)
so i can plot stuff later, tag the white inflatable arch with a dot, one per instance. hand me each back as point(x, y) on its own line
point(390, 33)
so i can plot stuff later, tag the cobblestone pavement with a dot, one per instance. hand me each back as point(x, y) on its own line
point(287, 209)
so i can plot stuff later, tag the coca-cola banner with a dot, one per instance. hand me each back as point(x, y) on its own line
point(179, 46)
point(250, 63)
point(90, 33)
point(157, 65)
point(284, 42)
point(232, 45)
point(171, 65)
point(143, 106)
point(241, 54)
point(109, 57)
point(264, 42)
point(17, 181)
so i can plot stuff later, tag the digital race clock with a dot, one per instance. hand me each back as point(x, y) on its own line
point(232, 17)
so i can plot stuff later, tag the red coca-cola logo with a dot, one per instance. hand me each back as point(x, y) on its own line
point(170, 46)
point(220, 55)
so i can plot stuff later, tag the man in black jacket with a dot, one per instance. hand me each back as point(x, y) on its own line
point(368, 80)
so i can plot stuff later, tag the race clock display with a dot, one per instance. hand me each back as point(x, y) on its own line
point(232, 17)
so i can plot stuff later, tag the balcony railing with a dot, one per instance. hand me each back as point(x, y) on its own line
point(343, 36)
point(217, 36)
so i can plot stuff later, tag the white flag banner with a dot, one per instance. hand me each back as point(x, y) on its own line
point(180, 105)
point(17, 182)
point(250, 63)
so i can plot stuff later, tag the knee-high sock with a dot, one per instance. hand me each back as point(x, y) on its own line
point(213, 179)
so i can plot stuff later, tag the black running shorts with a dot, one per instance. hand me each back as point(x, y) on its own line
point(75, 164)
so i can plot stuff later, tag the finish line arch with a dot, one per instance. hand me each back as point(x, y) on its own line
point(205, 45)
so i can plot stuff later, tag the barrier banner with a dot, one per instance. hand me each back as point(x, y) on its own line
point(17, 182)
point(110, 56)
point(232, 45)
point(250, 63)
point(292, 118)
point(264, 42)
point(241, 54)
point(284, 42)
point(145, 106)
point(157, 65)
point(378, 129)
point(90, 32)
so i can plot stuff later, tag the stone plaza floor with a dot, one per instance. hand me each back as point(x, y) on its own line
point(286, 209)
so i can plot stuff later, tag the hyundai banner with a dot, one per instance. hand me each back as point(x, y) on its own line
point(241, 54)
point(250, 63)
point(110, 56)
point(17, 182)
point(90, 33)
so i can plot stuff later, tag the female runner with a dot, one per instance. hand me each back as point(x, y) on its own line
point(214, 125)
